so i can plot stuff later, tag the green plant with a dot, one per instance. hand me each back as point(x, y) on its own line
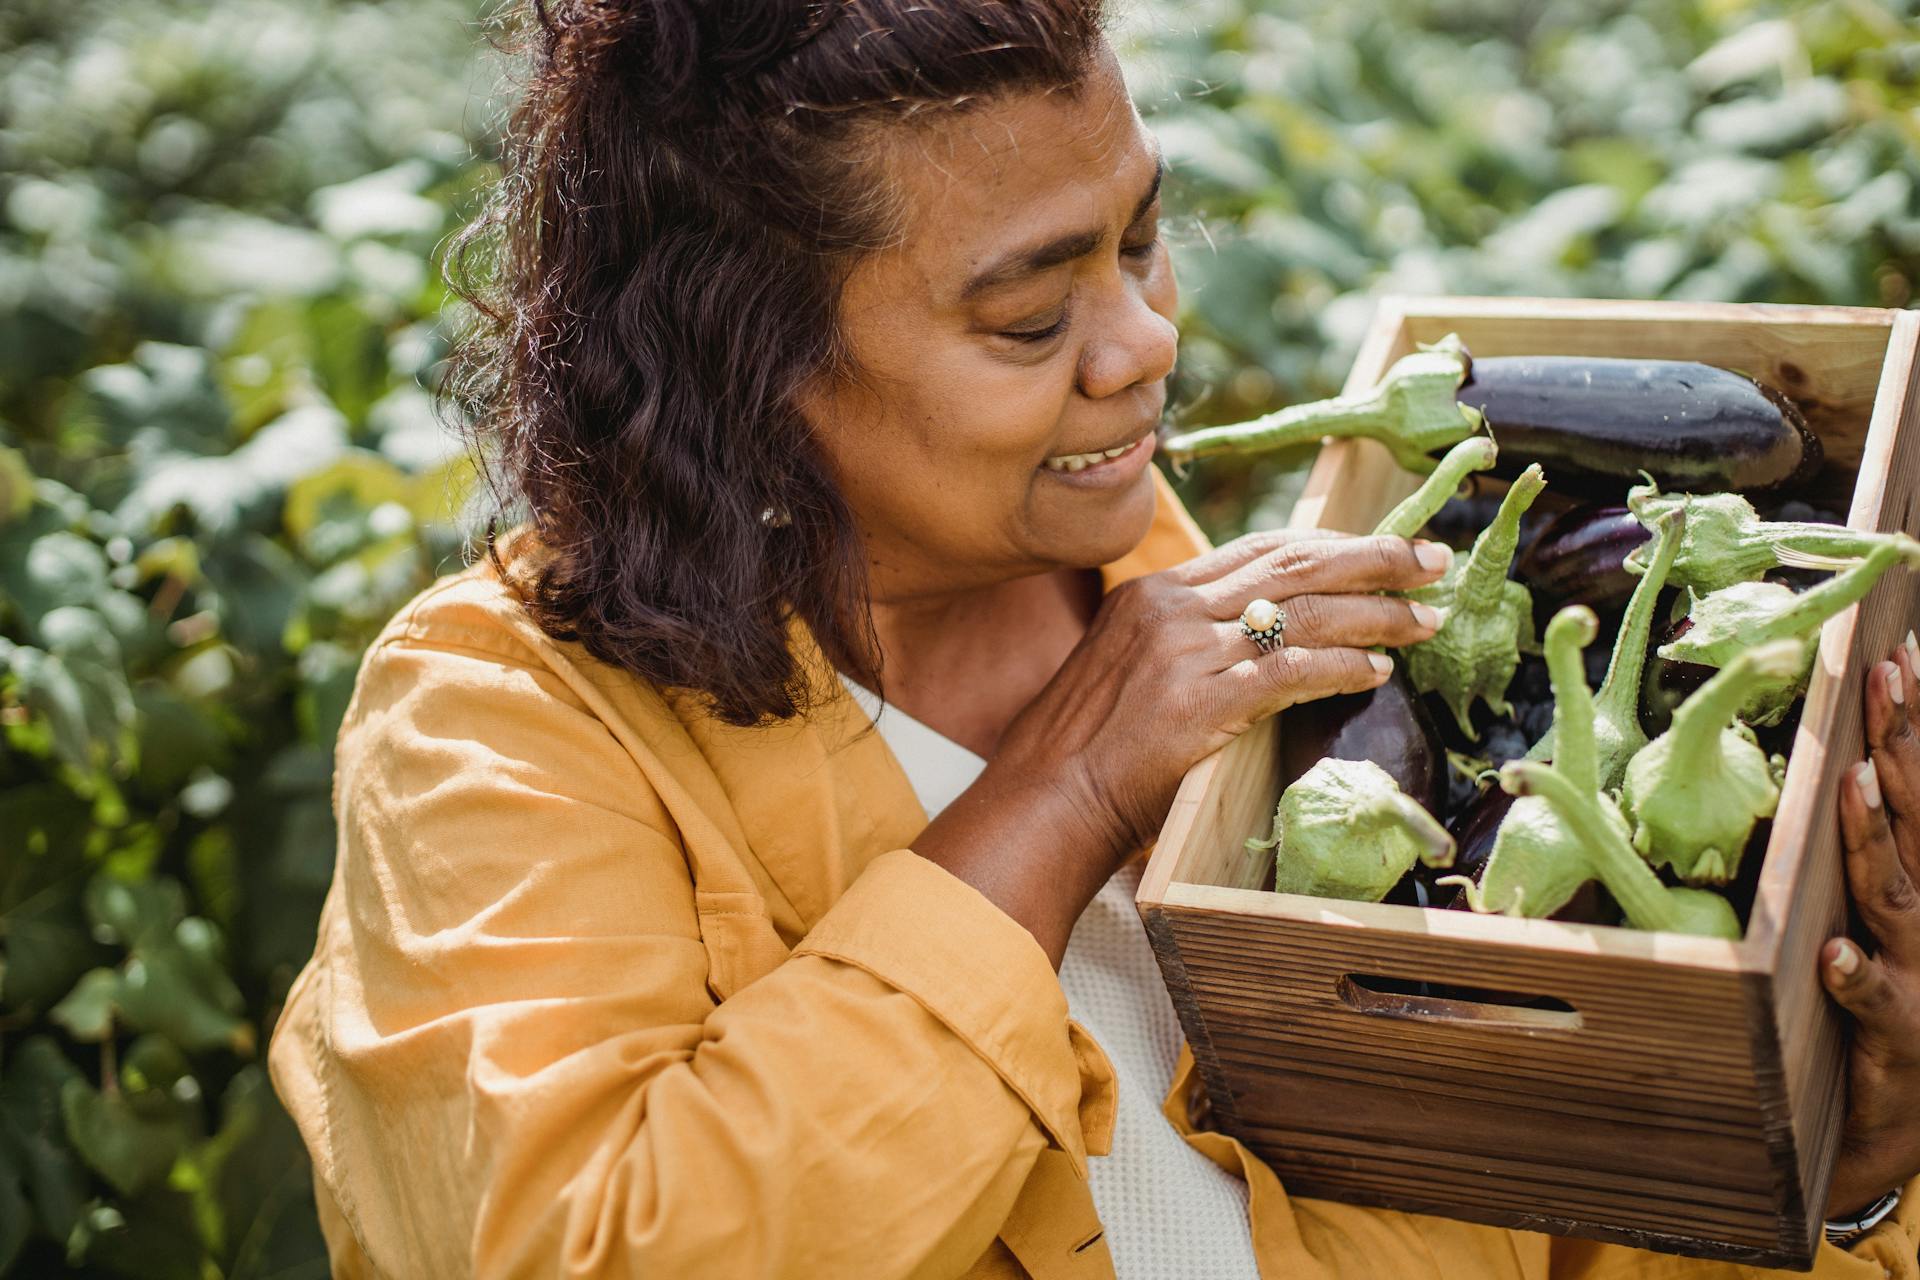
point(219, 474)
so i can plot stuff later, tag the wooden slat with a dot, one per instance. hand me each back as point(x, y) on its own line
point(1686, 1064)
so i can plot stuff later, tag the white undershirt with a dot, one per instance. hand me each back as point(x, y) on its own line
point(1170, 1213)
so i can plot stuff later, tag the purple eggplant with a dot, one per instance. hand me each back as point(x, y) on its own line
point(1388, 725)
point(1667, 682)
point(1595, 424)
point(1581, 559)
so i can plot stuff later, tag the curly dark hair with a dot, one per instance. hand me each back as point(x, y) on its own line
point(656, 274)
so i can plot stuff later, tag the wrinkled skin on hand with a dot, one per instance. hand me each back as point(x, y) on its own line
point(1344, 829)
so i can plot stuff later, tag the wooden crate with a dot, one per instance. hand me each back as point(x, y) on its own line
point(1685, 1093)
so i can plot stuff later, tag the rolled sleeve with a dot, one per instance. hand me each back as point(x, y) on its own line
point(925, 932)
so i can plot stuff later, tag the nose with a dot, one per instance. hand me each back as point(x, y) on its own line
point(1138, 343)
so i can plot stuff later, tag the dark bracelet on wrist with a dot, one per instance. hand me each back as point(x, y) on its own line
point(1845, 1231)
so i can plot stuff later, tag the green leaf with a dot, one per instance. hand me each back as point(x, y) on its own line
point(257, 585)
point(88, 1010)
point(77, 685)
point(43, 828)
point(16, 1219)
point(16, 496)
point(31, 1124)
point(130, 1150)
point(251, 1185)
point(53, 570)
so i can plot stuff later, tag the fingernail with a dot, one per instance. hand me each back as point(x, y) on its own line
point(1433, 556)
point(1913, 653)
point(1867, 778)
point(1896, 684)
point(1426, 615)
point(1382, 664)
point(1846, 959)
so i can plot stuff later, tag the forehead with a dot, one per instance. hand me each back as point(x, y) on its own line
point(972, 184)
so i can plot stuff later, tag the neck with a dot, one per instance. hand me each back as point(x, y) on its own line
point(965, 661)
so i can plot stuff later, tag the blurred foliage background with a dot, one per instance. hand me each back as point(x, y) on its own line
point(220, 470)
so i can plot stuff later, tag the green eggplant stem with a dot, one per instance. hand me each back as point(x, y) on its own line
point(1619, 696)
point(1492, 553)
point(1705, 715)
point(1424, 827)
point(1811, 608)
point(1297, 424)
point(1572, 630)
point(1475, 453)
point(1412, 411)
point(1630, 880)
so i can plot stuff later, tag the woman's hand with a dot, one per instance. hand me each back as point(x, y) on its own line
point(1880, 829)
point(1084, 776)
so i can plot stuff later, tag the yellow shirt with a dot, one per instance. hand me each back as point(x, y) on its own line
point(606, 988)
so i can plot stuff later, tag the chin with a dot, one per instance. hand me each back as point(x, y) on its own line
point(1106, 534)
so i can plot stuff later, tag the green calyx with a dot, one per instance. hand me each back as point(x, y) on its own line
point(1600, 837)
point(1412, 411)
point(1487, 615)
point(1616, 717)
point(1344, 829)
point(1727, 542)
point(1563, 831)
point(1727, 622)
point(1693, 795)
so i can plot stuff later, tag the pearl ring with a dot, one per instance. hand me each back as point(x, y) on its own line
point(1264, 623)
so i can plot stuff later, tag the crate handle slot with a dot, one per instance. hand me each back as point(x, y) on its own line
point(1447, 1002)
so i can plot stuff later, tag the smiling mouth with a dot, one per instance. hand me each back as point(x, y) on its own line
point(1081, 461)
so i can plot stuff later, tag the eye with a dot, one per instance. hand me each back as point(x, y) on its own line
point(1142, 250)
point(1053, 330)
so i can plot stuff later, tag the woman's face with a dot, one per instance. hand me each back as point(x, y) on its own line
point(1022, 322)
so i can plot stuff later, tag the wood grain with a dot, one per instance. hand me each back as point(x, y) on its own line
point(1675, 1093)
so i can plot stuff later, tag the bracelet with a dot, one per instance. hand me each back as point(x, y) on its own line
point(1845, 1231)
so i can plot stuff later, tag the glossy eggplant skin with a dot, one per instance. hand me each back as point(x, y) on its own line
point(1595, 423)
point(1388, 725)
point(1665, 682)
point(1581, 559)
point(1473, 831)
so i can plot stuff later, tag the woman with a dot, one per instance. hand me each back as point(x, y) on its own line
point(826, 354)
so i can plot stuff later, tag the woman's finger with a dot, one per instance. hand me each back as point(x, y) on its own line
point(1888, 901)
point(1355, 622)
point(1861, 984)
point(1893, 739)
point(1229, 556)
point(1273, 681)
point(1328, 568)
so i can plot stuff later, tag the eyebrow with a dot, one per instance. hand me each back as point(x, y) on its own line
point(1059, 250)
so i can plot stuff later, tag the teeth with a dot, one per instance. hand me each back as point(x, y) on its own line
point(1081, 461)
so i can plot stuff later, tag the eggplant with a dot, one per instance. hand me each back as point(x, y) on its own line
point(1668, 681)
point(1473, 832)
point(1581, 559)
point(1596, 423)
point(1388, 725)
